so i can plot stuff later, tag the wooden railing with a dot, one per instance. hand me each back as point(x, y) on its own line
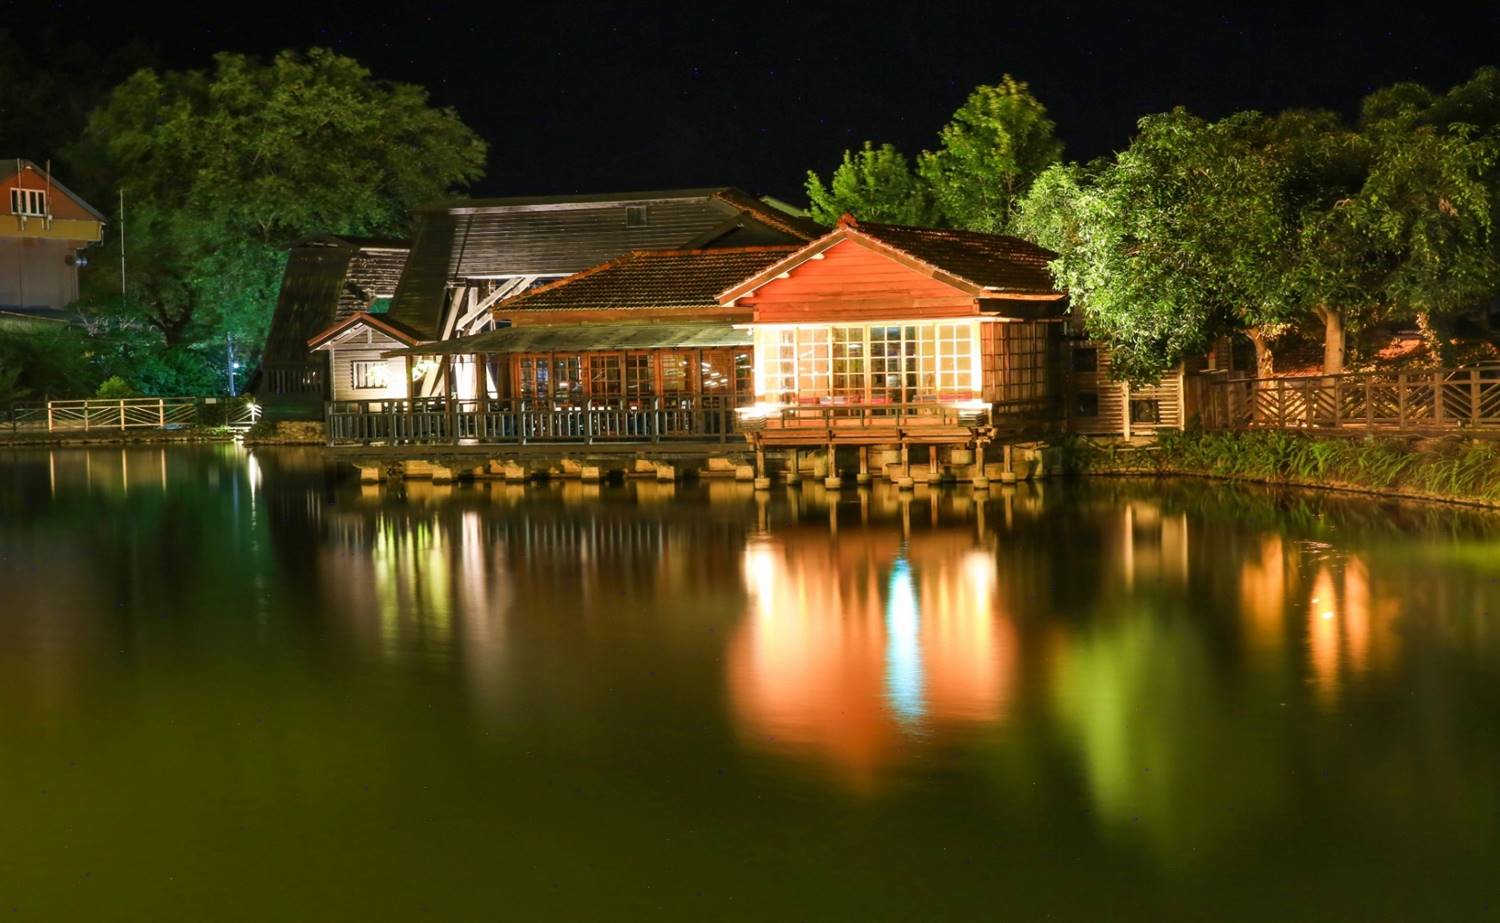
point(1438, 401)
point(839, 417)
point(519, 422)
point(294, 378)
point(131, 413)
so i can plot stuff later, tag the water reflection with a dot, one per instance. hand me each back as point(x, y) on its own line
point(852, 648)
point(1194, 681)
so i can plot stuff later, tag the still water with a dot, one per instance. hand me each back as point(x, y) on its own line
point(240, 686)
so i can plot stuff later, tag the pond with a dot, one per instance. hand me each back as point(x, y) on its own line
point(241, 686)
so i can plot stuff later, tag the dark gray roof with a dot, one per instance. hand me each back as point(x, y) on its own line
point(586, 337)
point(565, 234)
point(328, 279)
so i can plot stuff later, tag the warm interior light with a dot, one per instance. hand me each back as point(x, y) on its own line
point(758, 411)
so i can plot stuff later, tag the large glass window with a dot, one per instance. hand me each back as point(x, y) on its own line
point(567, 381)
point(674, 373)
point(606, 377)
point(877, 363)
point(639, 380)
point(535, 373)
point(849, 365)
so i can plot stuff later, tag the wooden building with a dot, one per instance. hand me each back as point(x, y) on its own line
point(881, 333)
point(328, 281)
point(470, 255)
point(643, 329)
point(44, 229)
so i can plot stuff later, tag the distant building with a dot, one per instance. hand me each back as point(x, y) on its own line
point(44, 229)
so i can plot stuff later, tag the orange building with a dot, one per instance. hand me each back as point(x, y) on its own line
point(44, 227)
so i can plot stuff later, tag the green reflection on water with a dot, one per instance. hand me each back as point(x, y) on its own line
point(239, 686)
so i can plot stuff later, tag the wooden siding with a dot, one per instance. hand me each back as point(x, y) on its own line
point(59, 203)
point(1114, 395)
point(854, 283)
point(365, 345)
point(34, 273)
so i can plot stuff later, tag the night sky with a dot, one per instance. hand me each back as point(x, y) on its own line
point(592, 97)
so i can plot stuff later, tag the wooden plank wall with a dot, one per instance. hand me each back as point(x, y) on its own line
point(854, 283)
point(1113, 395)
point(365, 345)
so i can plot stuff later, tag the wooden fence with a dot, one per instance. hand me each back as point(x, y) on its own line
point(1437, 401)
point(519, 422)
point(131, 413)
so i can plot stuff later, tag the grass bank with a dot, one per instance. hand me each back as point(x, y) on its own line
point(1450, 469)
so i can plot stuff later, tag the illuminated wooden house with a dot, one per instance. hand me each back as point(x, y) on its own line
point(44, 228)
point(878, 333)
point(471, 255)
point(645, 330)
point(329, 280)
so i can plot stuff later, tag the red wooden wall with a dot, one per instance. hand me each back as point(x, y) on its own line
point(855, 283)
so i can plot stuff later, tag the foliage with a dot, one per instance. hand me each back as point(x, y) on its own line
point(222, 169)
point(44, 361)
point(872, 184)
point(1447, 468)
point(116, 387)
point(991, 151)
point(1257, 223)
point(1172, 243)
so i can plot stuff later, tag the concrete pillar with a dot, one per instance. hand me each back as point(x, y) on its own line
point(590, 474)
point(863, 477)
point(744, 473)
point(443, 474)
point(371, 474)
point(794, 469)
point(666, 473)
point(833, 482)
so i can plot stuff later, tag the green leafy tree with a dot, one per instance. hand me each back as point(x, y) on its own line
point(1257, 224)
point(222, 168)
point(990, 152)
point(872, 184)
point(1173, 243)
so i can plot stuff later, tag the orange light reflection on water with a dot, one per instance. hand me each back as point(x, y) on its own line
point(853, 646)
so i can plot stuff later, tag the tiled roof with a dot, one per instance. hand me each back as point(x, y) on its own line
point(650, 279)
point(1005, 265)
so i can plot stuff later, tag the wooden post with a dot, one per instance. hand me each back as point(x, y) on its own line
point(122, 414)
point(1338, 401)
point(161, 413)
point(1473, 397)
point(448, 390)
point(49, 416)
point(1369, 403)
point(1437, 398)
point(1403, 398)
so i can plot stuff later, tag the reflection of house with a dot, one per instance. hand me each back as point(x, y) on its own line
point(468, 256)
point(328, 280)
point(44, 228)
point(850, 646)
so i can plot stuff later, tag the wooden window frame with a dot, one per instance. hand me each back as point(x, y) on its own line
point(22, 199)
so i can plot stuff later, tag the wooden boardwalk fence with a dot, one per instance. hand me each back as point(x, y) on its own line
point(131, 413)
point(1427, 402)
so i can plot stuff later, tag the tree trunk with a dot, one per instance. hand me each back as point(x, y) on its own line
point(1438, 346)
point(1265, 362)
point(1334, 335)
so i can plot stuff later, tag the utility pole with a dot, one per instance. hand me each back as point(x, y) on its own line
point(122, 242)
point(232, 365)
